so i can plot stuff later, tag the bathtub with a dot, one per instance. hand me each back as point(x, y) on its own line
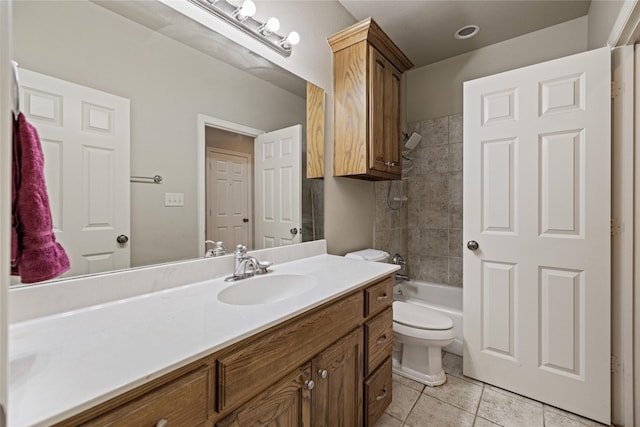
point(443, 298)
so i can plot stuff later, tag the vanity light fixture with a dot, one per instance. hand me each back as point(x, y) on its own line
point(241, 17)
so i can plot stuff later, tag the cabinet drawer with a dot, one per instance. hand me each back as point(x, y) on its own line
point(378, 296)
point(181, 402)
point(377, 393)
point(378, 333)
point(259, 363)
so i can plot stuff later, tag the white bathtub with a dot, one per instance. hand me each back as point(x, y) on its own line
point(443, 298)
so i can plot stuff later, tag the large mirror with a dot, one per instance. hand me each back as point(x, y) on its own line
point(191, 107)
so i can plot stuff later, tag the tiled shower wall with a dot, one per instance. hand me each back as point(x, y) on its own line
point(427, 231)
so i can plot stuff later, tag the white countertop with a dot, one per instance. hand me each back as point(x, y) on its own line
point(63, 364)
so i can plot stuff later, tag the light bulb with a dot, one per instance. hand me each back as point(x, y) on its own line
point(291, 40)
point(271, 26)
point(247, 9)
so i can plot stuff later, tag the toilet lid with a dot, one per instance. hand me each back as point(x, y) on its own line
point(369, 255)
point(420, 317)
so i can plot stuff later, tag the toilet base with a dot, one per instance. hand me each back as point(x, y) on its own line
point(428, 380)
point(423, 365)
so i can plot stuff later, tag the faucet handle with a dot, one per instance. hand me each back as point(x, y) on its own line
point(263, 267)
point(241, 249)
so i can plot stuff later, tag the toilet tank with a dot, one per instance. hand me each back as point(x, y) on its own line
point(369, 255)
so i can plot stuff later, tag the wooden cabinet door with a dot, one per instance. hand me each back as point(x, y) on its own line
point(392, 120)
point(385, 90)
point(287, 403)
point(337, 397)
point(378, 69)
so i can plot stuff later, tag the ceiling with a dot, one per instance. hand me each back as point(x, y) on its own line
point(424, 29)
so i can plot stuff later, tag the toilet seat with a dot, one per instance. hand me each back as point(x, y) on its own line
point(422, 336)
point(419, 317)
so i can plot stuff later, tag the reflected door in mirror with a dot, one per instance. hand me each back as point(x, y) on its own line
point(278, 168)
point(228, 197)
point(85, 140)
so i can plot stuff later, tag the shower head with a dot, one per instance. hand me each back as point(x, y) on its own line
point(412, 141)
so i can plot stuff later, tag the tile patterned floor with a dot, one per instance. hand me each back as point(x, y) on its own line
point(465, 402)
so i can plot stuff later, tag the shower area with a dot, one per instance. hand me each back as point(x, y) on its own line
point(420, 216)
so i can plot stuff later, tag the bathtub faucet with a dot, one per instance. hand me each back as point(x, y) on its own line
point(402, 277)
point(398, 260)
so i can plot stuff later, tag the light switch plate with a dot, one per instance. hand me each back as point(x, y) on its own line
point(174, 199)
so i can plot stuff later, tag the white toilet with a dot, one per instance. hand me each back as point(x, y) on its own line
point(419, 333)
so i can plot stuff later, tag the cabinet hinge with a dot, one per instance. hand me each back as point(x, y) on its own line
point(616, 227)
point(616, 89)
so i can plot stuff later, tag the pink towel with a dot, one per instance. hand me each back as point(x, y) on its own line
point(35, 254)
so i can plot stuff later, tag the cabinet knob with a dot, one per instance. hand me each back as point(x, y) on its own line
point(162, 423)
point(381, 340)
point(323, 373)
point(309, 384)
point(383, 395)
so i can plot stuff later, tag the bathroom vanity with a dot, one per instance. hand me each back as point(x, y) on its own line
point(182, 356)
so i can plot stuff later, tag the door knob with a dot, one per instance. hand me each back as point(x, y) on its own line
point(472, 245)
point(294, 231)
point(245, 219)
point(122, 239)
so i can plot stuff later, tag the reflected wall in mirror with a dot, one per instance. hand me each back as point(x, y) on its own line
point(168, 69)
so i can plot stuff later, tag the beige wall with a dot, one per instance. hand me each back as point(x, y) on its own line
point(168, 85)
point(436, 90)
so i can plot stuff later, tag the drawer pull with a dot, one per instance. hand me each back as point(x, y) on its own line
point(323, 373)
point(162, 423)
point(383, 395)
point(381, 340)
point(380, 298)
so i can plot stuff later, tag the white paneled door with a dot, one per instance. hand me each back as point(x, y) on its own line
point(85, 140)
point(278, 175)
point(537, 198)
point(228, 201)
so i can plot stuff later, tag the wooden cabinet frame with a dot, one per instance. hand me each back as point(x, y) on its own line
point(367, 81)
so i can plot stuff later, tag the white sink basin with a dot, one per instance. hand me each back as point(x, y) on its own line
point(266, 289)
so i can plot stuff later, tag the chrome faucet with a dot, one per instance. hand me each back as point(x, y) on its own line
point(245, 266)
point(218, 250)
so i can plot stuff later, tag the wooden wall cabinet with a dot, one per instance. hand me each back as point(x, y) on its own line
point(315, 131)
point(367, 84)
point(330, 366)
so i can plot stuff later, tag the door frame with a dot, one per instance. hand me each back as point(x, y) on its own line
point(204, 121)
point(250, 189)
point(625, 219)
